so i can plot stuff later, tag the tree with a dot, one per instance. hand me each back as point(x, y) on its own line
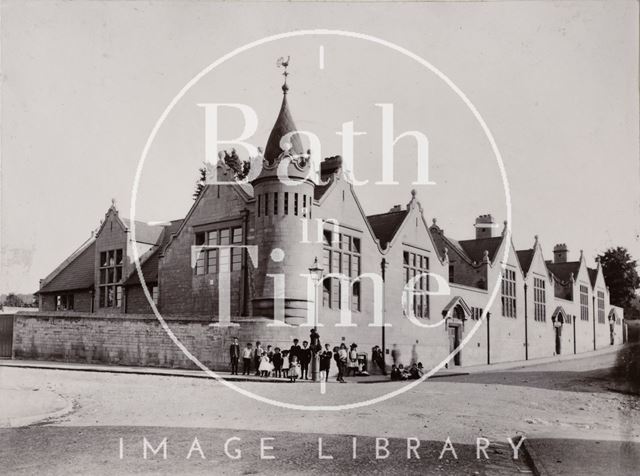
point(621, 275)
point(12, 300)
point(202, 181)
point(239, 167)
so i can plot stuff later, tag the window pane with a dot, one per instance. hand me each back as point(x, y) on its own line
point(199, 239)
point(224, 236)
point(119, 256)
point(212, 238)
point(237, 235)
point(103, 258)
point(212, 261)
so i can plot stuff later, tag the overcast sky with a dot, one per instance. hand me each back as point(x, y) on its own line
point(557, 83)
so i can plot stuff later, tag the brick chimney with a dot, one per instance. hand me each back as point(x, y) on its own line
point(396, 208)
point(484, 226)
point(560, 252)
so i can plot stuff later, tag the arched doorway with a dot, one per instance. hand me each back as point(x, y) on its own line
point(455, 313)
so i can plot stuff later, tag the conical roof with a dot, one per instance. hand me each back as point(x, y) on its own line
point(283, 125)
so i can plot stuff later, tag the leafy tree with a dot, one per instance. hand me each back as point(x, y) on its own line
point(239, 167)
point(12, 300)
point(621, 274)
point(202, 181)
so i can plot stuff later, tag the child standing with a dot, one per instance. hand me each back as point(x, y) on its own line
point(285, 363)
point(265, 365)
point(276, 360)
point(294, 369)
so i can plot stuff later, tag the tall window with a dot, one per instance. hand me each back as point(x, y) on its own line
point(415, 265)
point(286, 203)
point(584, 303)
point(109, 287)
point(601, 307)
point(341, 254)
point(295, 204)
point(275, 203)
point(266, 204)
point(476, 313)
point(208, 261)
point(539, 300)
point(509, 293)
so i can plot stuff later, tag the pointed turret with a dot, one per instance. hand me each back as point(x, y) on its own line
point(284, 124)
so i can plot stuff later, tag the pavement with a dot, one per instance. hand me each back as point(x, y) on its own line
point(563, 457)
point(27, 406)
point(593, 430)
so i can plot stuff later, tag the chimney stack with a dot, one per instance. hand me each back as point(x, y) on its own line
point(396, 208)
point(484, 226)
point(560, 252)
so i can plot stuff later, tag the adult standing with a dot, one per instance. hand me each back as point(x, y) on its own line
point(305, 359)
point(395, 354)
point(234, 355)
point(343, 355)
point(294, 350)
point(247, 353)
point(377, 356)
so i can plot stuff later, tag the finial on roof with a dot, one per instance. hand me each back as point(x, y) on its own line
point(434, 221)
point(504, 230)
point(581, 254)
point(413, 193)
point(446, 253)
point(282, 63)
point(535, 237)
point(485, 257)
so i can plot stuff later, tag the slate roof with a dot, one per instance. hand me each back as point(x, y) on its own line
point(475, 248)
point(152, 259)
point(283, 125)
point(145, 233)
point(78, 274)
point(385, 225)
point(563, 271)
point(525, 257)
point(593, 276)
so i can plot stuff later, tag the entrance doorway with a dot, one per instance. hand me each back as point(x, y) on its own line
point(454, 342)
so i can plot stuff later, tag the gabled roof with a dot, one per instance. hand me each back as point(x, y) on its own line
point(386, 225)
point(151, 260)
point(563, 271)
point(593, 276)
point(475, 248)
point(78, 274)
point(145, 233)
point(320, 190)
point(525, 257)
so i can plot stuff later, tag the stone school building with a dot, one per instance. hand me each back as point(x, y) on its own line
point(93, 307)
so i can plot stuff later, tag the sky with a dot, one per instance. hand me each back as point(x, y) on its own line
point(83, 84)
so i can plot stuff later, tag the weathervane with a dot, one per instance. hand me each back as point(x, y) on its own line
point(284, 64)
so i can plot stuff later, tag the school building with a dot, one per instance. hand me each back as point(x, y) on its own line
point(242, 244)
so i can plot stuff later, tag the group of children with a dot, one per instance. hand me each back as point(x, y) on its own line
point(414, 372)
point(280, 365)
